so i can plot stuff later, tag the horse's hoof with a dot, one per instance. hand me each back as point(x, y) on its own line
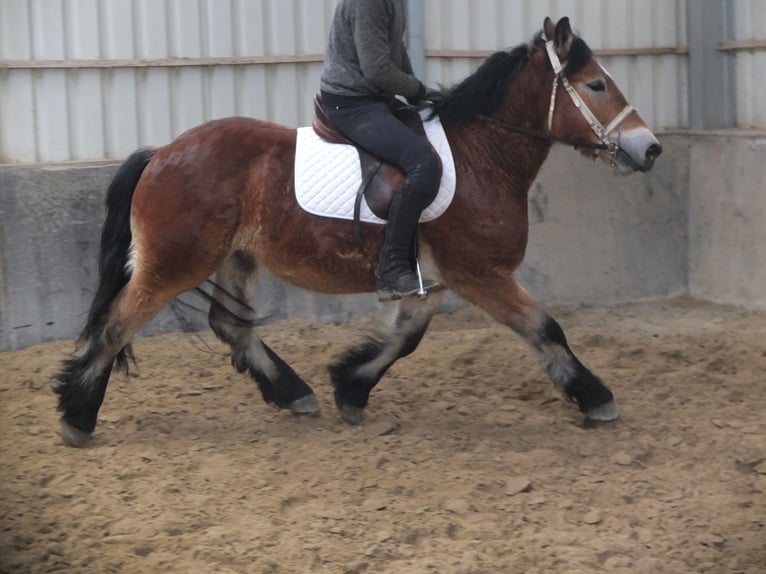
point(73, 436)
point(603, 413)
point(307, 405)
point(352, 415)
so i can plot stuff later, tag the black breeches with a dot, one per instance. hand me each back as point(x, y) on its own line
point(374, 128)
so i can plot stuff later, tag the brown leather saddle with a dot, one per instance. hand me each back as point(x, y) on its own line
point(380, 181)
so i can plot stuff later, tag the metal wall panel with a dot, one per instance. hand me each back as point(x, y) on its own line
point(654, 83)
point(749, 31)
point(54, 106)
point(50, 111)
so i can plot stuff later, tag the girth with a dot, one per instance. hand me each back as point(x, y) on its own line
point(380, 181)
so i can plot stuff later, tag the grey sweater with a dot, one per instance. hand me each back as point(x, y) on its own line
point(366, 55)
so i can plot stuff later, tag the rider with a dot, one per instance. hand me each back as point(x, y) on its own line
point(366, 65)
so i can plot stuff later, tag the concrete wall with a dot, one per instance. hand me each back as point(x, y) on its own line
point(600, 238)
point(694, 224)
point(727, 219)
point(50, 222)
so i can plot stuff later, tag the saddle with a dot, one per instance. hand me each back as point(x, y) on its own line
point(380, 181)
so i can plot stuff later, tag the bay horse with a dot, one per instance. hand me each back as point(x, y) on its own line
point(219, 200)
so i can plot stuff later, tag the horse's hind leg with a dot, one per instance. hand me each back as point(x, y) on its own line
point(83, 380)
point(510, 304)
point(359, 369)
point(232, 319)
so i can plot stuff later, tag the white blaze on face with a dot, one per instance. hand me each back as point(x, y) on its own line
point(633, 141)
point(606, 73)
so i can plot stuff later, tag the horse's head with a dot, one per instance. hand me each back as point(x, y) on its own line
point(587, 106)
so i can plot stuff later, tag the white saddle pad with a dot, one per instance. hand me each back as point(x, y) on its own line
point(328, 176)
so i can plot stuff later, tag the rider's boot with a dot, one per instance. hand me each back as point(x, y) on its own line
point(395, 276)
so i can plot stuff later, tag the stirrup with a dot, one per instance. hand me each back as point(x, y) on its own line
point(390, 292)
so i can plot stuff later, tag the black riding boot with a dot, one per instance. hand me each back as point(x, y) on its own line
point(395, 276)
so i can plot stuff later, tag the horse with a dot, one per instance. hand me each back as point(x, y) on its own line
point(219, 201)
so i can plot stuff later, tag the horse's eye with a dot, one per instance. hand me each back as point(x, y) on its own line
point(597, 85)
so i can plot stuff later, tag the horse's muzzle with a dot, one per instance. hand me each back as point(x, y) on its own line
point(638, 150)
point(652, 153)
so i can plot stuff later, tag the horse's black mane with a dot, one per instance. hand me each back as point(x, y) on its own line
point(483, 91)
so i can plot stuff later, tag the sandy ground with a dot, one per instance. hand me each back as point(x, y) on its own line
point(468, 462)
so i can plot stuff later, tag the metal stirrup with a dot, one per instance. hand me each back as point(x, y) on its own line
point(421, 289)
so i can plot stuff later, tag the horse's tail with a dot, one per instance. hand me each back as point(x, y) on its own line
point(113, 271)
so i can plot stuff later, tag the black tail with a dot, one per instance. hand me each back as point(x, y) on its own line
point(115, 243)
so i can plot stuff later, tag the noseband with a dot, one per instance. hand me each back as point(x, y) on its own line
point(611, 147)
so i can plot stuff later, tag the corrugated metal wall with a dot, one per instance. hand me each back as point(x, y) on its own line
point(95, 79)
point(647, 40)
point(749, 46)
point(92, 79)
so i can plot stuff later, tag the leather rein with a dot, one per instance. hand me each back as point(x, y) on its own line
point(611, 147)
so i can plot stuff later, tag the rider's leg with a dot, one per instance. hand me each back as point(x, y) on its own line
point(372, 126)
point(395, 275)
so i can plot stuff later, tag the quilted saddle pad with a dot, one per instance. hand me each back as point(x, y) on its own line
point(328, 176)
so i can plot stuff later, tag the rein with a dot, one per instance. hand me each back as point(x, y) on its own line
point(544, 135)
point(611, 147)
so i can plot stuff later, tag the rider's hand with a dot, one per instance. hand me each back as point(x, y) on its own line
point(426, 98)
point(432, 98)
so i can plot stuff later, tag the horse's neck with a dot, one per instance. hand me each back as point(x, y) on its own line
point(522, 160)
point(505, 159)
point(492, 158)
point(519, 156)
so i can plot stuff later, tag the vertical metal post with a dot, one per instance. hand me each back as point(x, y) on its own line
point(416, 36)
point(711, 72)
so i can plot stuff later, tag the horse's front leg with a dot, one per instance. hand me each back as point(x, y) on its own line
point(358, 370)
point(510, 304)
point(233, 320)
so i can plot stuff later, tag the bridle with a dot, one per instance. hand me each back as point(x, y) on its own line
point(601, 132)
point(611, 147)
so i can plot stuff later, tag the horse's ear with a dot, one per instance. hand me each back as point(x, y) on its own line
point(562, 38)
point(549, 28)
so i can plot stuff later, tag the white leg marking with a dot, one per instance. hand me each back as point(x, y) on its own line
point(257, 355)
point(95, 369)
point(391, 352)
point(557, 363)
point(130, 265)
point(410, 314)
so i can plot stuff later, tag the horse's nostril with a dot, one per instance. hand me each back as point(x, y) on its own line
point(653, 152)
